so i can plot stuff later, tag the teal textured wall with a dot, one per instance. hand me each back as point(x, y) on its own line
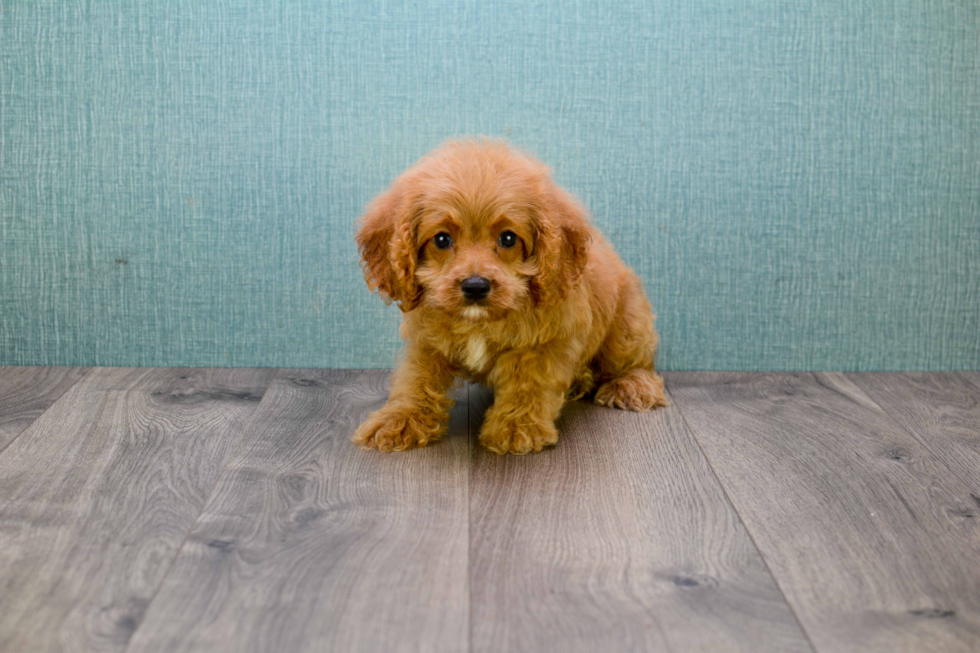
point(798, 184)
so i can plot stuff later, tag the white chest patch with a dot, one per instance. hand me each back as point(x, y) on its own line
point(476, 354)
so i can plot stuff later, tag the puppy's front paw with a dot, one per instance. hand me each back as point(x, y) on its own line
point(397, 428)
point(508, 435)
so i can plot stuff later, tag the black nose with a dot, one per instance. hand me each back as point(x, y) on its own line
point(475, 288)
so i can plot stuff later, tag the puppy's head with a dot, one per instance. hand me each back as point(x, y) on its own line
point(476, 230)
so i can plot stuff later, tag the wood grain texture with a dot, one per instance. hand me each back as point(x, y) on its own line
point(26, 392)
point(942, 412)
point(617, 539)
point(98, 494)
point(850, 511)
point(311, 544)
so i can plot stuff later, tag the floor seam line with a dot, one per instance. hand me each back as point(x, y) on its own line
point(738, 515)
point(187, 535)
point(916, 435)
point(43, 412)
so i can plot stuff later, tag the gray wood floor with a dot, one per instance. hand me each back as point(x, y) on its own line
point(226, 510)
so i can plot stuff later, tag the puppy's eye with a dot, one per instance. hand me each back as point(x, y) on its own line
point(443, 240)
point(507, 239)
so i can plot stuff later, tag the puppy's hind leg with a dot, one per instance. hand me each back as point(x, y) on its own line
point(638, 390)
point(625, 360)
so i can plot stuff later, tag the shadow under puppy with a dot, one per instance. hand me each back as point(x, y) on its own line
point(501, 279)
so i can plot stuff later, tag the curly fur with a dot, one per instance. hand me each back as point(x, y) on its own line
point(565, 318)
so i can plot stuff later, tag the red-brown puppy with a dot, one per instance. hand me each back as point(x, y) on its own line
point(501, 279)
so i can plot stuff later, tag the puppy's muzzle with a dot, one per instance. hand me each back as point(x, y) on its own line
point(475, 288)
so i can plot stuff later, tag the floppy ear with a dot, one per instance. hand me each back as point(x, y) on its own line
point(389, 252)
point(561, 245)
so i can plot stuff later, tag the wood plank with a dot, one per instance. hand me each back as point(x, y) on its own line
point(617, 539)
point(942, 412)
point(848, 509)
point(26, 392)
point(98, 494)
point(312, 544)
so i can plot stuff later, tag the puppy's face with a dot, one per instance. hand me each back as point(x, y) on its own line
point(476, 231)
point(475, 242)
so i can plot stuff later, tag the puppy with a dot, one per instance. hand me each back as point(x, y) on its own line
point(501, 279)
